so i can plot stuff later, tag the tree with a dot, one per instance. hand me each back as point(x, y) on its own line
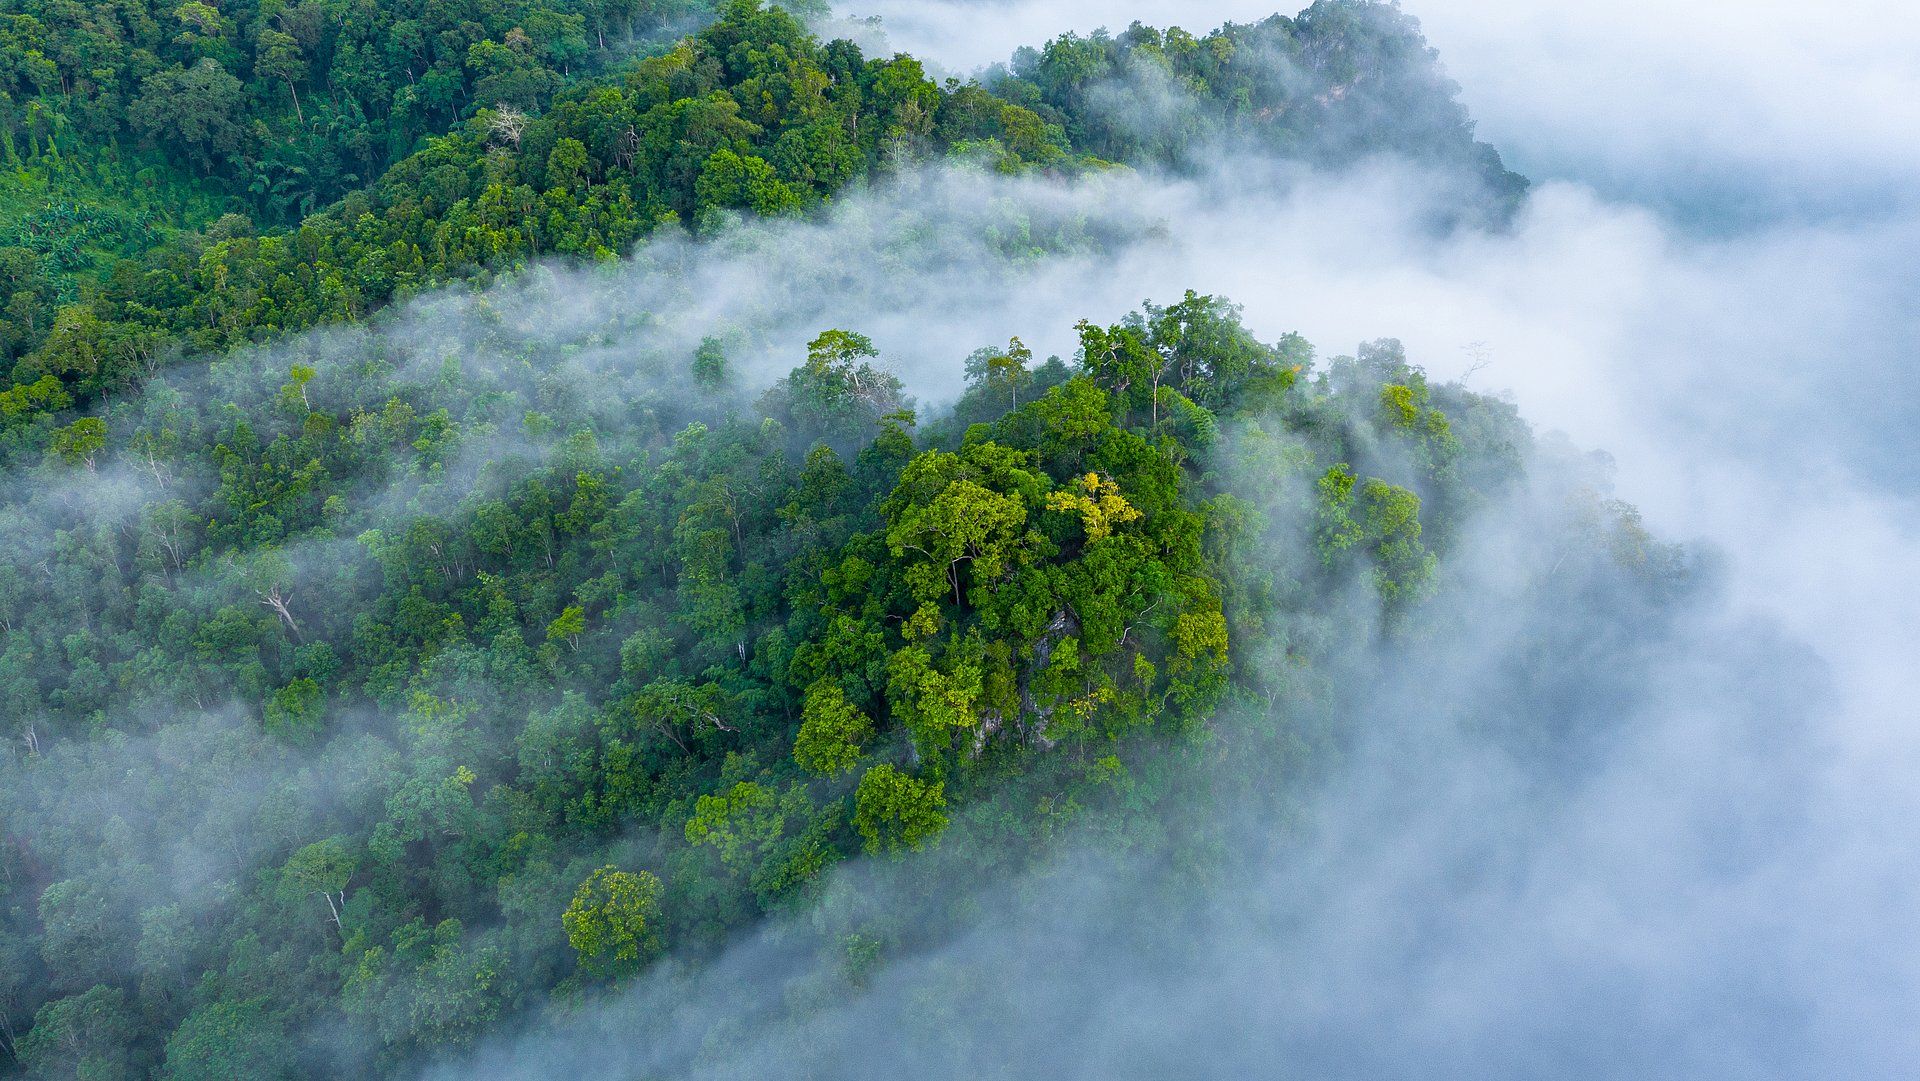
point(298, 376)
point(741, 824)
point(728, 180)
point(323, 868)
point(231, 1041)
point(199, 110)
point(296, 711)
point(1208, 353)
point(710, 365)
point(568, 626)
point(945, 512)
point(831, 731)
point(1385, 518)
point(81, 442)
point(1337, 531)
point(933, 700)
point(507, 74)
point(1098, 503)
point(613, 923)
point(81, 940)
point(79, 348)
point(506, 124)
point(20, 987)
point(168, 953)
point(674, 707)
point(86, 1037)
point(1001, 370)
point(271, 576)
point(569, 165)
point(1404, 569)
point(1074, 413)
point(426, 988)
point(896, 812)
point(1405, 410)
point(838, 392)
point(1122, 362)
point(277, 56)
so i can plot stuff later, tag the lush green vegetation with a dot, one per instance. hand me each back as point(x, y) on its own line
point(284, 107)
point(752, 114)
point(1338, 82)
point(127, 130)
point(365, 693)
point(458, 738)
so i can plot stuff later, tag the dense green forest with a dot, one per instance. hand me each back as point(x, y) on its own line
point(455, 741)
point(458, 742)
point(120, 250)
point(368, 690)
point(136, 126)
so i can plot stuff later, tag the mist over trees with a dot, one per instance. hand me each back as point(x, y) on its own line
point(105, 276)
point(374, 690)
point(720, 653)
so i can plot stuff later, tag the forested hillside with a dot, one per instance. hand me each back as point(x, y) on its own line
point(454, 739)
point(130, 126)
point(640, 682)
point(111, 268)
point(371, 690)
